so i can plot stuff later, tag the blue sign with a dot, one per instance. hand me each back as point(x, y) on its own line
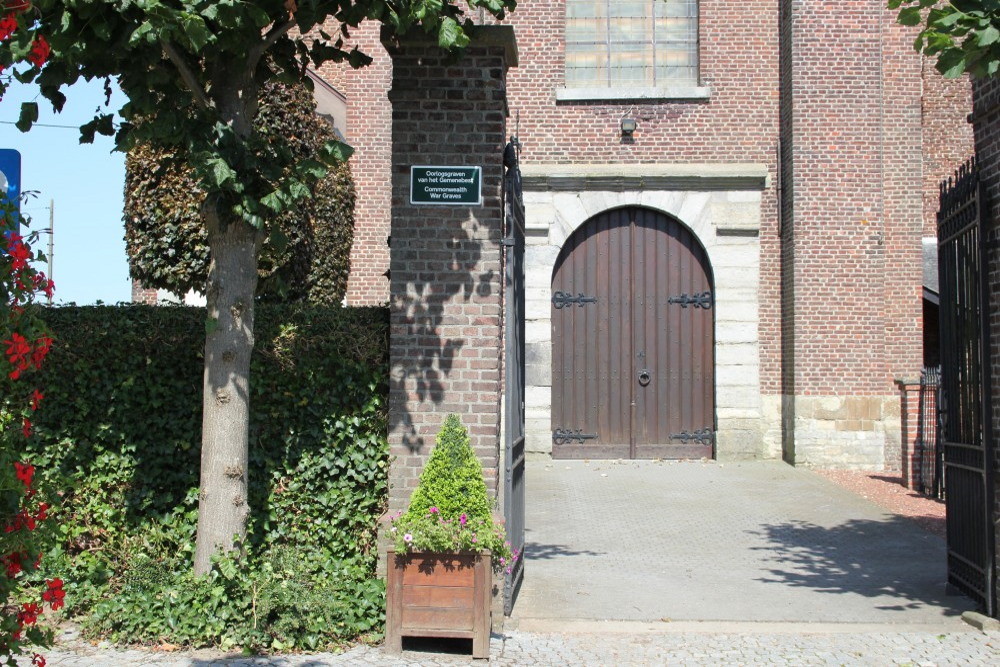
point(10, 178)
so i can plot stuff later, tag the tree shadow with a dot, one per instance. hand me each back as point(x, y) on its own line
point(427, 276)
point(540, 551)
point(885, 559)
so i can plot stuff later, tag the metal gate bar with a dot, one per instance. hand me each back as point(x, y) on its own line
point(929, 453)
point(513, 368)
point(966, 425)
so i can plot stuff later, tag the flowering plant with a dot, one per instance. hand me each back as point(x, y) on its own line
point(20, 40)
point(26, 342)
point(450, 510)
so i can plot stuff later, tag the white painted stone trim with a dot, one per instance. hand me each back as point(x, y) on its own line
point(665, 93)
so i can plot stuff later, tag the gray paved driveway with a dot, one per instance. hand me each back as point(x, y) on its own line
point(703, 541)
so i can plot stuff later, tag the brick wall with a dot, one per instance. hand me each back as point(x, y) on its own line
point(142, 294)
point(369, 127)
point(839, 88)
point(445, 307)
point(738, 123)
point(947, 138)
point(852, 220)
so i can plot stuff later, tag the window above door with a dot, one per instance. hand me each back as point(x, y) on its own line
point(631, 49)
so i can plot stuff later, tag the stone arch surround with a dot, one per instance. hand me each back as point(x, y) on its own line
point(720, 204)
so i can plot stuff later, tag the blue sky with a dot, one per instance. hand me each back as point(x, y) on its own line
point(85, 181)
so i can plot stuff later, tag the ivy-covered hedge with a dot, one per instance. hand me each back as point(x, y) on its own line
point(119, 443)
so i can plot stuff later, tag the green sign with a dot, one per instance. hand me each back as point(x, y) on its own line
point(446, 186)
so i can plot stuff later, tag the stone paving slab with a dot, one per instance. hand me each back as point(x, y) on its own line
point(704, 541)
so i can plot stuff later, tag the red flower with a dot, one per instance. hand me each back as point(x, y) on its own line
point(8, 25)
point(17, 347)
point(12, 563)
point(42, 347)
point(38, 660)
point(39, 52)
point(20, 253)
point(55, 594)
point(36, 398)
point(25, 472)
point(28, 614)
point(43, 511)
point(26, 428)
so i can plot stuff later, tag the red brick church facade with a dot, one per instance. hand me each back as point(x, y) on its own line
point(799, 143)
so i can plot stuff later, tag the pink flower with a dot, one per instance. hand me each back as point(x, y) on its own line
point(433, 510)
point(407, 538)
point(463, 519)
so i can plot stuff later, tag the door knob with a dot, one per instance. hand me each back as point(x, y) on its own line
point(644, 377)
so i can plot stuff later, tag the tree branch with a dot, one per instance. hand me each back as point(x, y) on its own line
point(186, 74)
point(272, 36)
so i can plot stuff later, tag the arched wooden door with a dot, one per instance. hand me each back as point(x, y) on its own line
point(633, 367)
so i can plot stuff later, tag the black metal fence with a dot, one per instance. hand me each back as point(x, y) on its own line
point(514, 461)
point(929, 454)
point(966, 425)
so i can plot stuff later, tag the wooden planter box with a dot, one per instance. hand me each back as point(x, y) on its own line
point(438, 595)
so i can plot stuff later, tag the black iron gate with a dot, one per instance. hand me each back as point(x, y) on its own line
point(965, 428)
point(513, 367)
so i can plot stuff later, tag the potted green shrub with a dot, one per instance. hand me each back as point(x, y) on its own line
point(447, 545)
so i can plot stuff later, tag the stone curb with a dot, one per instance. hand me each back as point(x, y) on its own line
point(981, 621)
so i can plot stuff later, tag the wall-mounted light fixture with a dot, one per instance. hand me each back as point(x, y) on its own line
point(628, 126)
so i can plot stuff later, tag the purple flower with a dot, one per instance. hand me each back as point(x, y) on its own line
point(463, 519)
point(407, 538)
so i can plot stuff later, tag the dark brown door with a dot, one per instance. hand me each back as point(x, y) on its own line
point(633, 373)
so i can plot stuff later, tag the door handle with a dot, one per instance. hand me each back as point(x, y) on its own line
point(644, 377)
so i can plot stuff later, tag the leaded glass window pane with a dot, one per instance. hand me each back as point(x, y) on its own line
point(631, 43)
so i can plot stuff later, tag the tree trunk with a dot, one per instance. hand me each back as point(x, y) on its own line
point(232, 282)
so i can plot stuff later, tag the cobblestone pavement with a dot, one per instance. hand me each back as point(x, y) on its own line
point(633, 646)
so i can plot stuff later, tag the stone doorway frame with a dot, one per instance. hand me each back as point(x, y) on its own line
point(721, 205)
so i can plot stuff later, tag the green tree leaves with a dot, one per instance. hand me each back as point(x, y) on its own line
point(963, 35)
point(307, 252)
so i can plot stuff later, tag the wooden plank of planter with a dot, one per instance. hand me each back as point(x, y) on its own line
point(417, 620)
point(443, 573)
point(481, 608)
point(393, 603)
point(436, 596)
point(451, 614)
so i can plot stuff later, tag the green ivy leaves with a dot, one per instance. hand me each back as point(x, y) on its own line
point(118, 441)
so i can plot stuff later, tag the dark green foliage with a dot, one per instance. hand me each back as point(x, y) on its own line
point(306, 256)
point(962, 35)
point(452, 480)
point(118, 444)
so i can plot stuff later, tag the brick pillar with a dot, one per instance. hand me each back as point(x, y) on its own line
point(912, 447)
point(851, 225)
point(445, 278)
